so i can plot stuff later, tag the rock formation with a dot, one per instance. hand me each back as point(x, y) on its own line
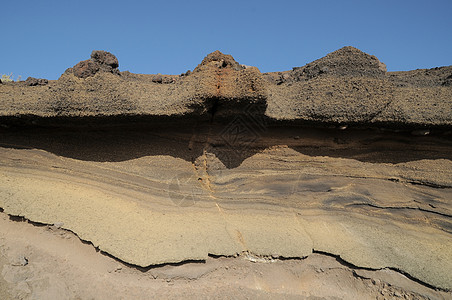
point(100, 61)
point(338, 158)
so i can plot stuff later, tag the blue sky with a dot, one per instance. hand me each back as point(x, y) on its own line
point(43, 38)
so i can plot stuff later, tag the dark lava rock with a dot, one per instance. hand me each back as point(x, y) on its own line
point(168, 80)
point(31, 81)
point(157, 78)
point(104, 58)
point(186, 73)
point(347, 61)
point(439, 76)
point(100, 61)
point(85, 69)
point(219, 60)
point(448, 81)
point(276, 77)
point(165, 79)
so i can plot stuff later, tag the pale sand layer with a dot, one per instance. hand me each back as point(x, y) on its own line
point(59, 266)
point(162, 209)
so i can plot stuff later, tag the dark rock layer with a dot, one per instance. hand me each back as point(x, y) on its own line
point(346, 86)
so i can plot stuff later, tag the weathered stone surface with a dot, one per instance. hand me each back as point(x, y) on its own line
point(31, 81)
point(75, 268)
point(157, 169)
point(276, 203)
point(100, 61)
point(105, 59)
point(347, 61)
point(85, 69)
point(154, 196)
point(218, 60)
point(355, 89)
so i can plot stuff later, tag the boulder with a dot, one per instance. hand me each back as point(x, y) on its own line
point(105, 59)
point(158, 78)
point(100, 61)
point(31, 81)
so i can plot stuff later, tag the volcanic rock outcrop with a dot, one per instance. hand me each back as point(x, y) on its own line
point(338, 157)
point(347, 61)
point(346, 86)
point(100, 61)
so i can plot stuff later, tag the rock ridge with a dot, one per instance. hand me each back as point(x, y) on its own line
point(346, 86)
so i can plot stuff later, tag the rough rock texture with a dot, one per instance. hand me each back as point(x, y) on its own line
point(105, 60)
point(31, 81)
point(100, 61)
point(337, 158)
point(264, 207)
point(347, 61)
point(376, 196)
point(346, 86)
point(219, 60)
point(46, 274)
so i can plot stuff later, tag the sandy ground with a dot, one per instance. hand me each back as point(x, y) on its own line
point(46, 262)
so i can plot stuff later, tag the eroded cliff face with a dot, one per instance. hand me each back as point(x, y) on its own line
point(346, 86)
point(336, 157)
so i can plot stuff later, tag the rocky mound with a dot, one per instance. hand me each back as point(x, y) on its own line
point(347, 61)
point(100, 61)
point(219, 60)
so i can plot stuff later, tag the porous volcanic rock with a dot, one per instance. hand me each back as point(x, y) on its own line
point(219, 60)
point(228, 89)
point(346, 86)
point(347, 61)
point(105, 59)
point(100, 61)
point(436, 77)
point(31, 81)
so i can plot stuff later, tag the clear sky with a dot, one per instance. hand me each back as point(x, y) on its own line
point(43, 38)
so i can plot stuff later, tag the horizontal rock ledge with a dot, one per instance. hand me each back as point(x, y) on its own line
point(346, 86)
